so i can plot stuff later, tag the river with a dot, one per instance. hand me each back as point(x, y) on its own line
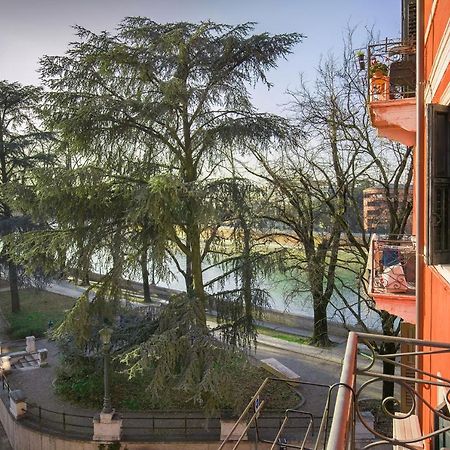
point(277, 284)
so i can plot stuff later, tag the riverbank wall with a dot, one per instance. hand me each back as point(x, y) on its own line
point(282, 318)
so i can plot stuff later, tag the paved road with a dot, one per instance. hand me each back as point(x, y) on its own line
point(314, 370)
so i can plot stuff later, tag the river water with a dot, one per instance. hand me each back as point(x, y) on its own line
point(279, 286)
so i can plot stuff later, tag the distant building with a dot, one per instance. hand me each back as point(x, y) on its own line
point(376, 210)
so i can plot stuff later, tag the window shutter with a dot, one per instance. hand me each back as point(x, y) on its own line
point(409, 20)
point(438, 184)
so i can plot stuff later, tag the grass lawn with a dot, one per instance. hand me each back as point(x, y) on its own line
point(284, 336)
point(37, 309)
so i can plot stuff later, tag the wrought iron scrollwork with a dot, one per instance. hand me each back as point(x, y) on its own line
point(413, 386)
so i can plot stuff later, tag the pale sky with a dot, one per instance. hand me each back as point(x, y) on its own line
point(32, 28)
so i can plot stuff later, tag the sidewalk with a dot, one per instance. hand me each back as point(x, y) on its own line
point(332, 354)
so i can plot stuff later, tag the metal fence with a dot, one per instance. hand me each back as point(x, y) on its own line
point(5, 385)
point(159, 426)
point(391, 70)
point(176, 426)
point(293, 428)
point(412, 378)
point(57, 422)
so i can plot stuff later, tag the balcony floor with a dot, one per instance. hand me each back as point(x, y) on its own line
point(395, 119)
point(402, 305)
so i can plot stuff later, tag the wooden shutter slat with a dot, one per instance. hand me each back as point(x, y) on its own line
point(438, 150)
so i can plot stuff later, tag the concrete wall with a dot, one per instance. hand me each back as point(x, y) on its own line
point(303, 322)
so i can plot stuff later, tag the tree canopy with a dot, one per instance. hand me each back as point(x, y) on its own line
point(175, 95)
point(22, 147)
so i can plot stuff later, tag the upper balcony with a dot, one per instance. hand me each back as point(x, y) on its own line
point(392, 84)
point(392, 275)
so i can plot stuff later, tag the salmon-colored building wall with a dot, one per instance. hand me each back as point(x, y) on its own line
point(435, 318)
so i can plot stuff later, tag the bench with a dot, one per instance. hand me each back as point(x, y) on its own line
point(405, 429)
point(274, 366)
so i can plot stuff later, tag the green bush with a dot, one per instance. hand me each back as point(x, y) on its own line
point(80, 383)
point(111, 446)
point(132, 404)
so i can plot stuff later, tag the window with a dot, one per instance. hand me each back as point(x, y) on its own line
point(438, 150)
point(409, 20)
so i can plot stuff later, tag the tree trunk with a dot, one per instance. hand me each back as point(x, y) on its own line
point(320, 302)
point(188, 277)
point(85, 281)
point(387, 324)
point(247, 275)
point(61, 259)
point(197, 277)
point(14, 287)
point(388, 369)
point(84, 264)
point(145, 274)
point(320, 330)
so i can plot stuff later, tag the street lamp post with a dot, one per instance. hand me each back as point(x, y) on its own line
point(107, 424)
point(105, 338)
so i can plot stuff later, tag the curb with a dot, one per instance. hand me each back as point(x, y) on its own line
point(306, 350)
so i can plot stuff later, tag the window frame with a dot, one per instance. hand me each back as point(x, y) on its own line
point(438, 184)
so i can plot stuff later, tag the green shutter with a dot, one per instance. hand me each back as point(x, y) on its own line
point(409, 11)
point(438, 150)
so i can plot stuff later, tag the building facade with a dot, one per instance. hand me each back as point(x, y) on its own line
point(375, 209)
point(423, 120)
point(432, 199)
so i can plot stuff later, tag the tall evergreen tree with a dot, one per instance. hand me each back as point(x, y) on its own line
point(22, 147)
point(181, 87)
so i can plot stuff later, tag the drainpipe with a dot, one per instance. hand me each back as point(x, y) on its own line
point(419, 183)
point(419, 166)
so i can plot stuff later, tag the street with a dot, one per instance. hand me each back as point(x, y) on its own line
point(312, 370)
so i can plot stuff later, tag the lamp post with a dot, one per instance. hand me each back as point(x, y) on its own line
point(105, 338)
point(107, 424)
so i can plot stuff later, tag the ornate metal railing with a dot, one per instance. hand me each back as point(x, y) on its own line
point(392, 266)
point(300, 436)
point(391, 70)
point(412, 381)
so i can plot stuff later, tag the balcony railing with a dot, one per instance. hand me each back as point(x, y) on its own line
point(392, 266)
point(413, 383)
point(391, 70)
point(370, 360)
point(296, 428)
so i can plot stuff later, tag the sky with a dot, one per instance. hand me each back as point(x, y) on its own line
point(30, 29)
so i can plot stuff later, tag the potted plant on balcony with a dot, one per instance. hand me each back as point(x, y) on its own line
point(378, 69)
point(361, 59)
